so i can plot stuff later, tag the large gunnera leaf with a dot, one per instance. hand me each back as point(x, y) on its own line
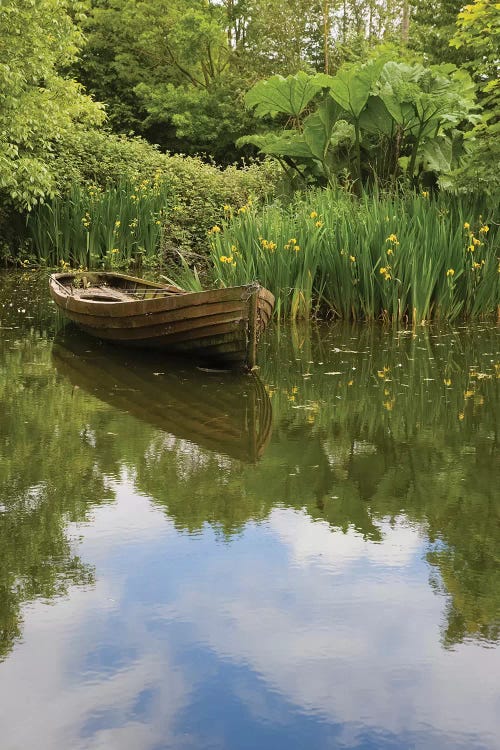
point(279, 95)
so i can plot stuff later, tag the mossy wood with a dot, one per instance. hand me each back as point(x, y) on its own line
point(218, 325)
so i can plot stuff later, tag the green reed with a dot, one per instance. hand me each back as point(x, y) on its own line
point(93, 228)
point(404, 259)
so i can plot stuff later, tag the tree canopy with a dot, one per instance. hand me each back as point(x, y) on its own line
point(39, 103)
point(176, 73)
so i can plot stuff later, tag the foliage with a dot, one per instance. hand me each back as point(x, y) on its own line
point(202, 190)
point(432, 26)
point(39, 105)
point(165, 70)
point(135, 219)
point(98, 157)
point(479, 30)
point(206, 121)
point(92, 228)
point(478, 33)
point(411, 259)
point(377, 119)
point(176, 71)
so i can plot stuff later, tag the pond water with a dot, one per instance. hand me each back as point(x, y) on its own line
point(308, 559)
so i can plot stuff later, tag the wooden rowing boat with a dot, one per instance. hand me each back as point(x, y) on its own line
point(219, 325)
point(223, 412)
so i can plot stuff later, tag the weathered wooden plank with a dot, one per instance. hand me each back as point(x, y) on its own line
point(165, 317)
point(181, 329)
point(235, 328)
point(141, 307)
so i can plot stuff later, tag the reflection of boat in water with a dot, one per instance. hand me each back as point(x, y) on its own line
point(225, 412)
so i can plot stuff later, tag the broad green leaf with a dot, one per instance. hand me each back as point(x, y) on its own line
point(342, 135)
point(318, 127)
point(295, 149)
point(277, 95)
point(352, 85)
point(437, 155)
point(255, 140)
point(399, 90)
point(376, 118)
point(289, 143)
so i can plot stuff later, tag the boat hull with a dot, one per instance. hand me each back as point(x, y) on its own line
point(221, 325)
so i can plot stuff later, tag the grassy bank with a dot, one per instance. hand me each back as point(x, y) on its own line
point(115, 228)
point(407, 259)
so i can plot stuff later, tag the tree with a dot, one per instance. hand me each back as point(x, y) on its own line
point(478, 32)
point(167, 70)
point(176, 71)
point(39, 105)
point(432, 27)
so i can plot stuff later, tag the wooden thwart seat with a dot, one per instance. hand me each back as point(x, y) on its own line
point(101, 294)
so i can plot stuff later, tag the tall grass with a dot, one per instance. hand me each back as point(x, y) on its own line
point(401, 258)
point(94, 228)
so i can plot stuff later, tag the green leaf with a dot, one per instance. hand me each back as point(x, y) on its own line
point(352, 85)
point(319, 126)
point(376, 118)
point(398, 88)
point(289, 143)
point(437, 155)
point(278, 95)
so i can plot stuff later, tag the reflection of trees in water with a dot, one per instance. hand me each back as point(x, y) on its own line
point(412, 430)
point(48, 478)
point(399, 441)
point(378, 441)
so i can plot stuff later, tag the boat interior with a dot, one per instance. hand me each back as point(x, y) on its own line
point(96, 287)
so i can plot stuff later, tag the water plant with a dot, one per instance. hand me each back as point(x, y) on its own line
point(95, 228)
point(402, 258)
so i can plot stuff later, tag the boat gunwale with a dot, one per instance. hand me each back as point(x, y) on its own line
point(177, 299)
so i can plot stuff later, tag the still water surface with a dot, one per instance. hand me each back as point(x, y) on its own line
point(310, 559)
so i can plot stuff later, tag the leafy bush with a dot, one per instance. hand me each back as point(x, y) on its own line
point(202, 190)
point(99, 178)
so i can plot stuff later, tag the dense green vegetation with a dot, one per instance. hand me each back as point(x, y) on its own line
point(373, 122)
point(400, 258)
point(144, 219)
point(105, 100)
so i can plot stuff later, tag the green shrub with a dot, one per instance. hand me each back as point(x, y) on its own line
point(202, 190)
point(96, 157)
point(100, 179)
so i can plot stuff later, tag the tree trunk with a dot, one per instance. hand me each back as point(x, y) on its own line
point(405, 22)
point(326, 35)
